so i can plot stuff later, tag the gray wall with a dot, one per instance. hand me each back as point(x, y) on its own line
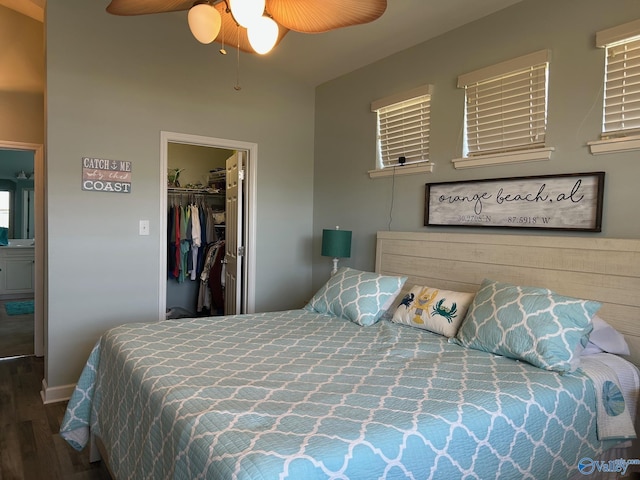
point(113, 84)
point(345, 127)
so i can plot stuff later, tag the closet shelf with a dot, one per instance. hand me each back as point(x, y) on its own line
point(218, 175)
point(203, 191)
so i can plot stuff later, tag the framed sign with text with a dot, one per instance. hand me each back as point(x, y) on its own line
point(102, 175)
point(558, 202)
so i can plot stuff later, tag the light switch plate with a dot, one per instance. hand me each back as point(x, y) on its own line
point(144, 227)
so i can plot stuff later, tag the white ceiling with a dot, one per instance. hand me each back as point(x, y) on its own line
point(317, 58)
point(30, 8)
point(405, 23)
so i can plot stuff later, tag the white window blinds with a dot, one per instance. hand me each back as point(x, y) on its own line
point(621, 115)
point(506, 105)
point(403, 127)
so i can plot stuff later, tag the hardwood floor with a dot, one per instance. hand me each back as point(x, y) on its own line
point(30, 447)
point(16, 334)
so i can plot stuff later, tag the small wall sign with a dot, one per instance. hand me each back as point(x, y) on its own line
point(102, 175)
point(560, 202)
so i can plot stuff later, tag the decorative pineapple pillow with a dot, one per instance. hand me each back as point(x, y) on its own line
point(433, 309)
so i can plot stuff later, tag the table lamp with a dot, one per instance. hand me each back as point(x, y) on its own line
point(337, 244)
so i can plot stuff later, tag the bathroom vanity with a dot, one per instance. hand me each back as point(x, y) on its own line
point(17, 261)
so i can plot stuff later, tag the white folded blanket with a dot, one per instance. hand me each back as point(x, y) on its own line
point(616, 383)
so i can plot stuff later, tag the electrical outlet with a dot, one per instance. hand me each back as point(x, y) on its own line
point(144, 227)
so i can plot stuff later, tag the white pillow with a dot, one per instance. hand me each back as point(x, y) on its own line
point(433, 309)
point(605, 338)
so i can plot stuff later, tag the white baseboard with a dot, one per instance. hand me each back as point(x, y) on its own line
point(56, 394)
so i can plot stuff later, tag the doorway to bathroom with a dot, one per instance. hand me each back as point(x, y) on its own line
point(22, 257)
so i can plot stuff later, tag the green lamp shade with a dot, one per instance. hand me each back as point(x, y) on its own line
point(336, 243)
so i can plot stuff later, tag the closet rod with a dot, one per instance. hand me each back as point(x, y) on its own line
point(202, 191)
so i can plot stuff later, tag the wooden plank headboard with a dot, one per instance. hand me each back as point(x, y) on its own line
point(602, 269)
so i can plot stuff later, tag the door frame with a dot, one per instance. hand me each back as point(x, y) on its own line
point(39, 295)
point(249, 211)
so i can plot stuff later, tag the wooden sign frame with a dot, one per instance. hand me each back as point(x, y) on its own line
point(103, 175)
point(549, 202)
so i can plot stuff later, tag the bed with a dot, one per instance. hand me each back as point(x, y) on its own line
point(344, 389)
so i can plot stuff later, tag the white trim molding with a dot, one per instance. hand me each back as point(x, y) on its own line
point(613, 145)
point(56, 394)
point(424, 167)
point(522, 156)
point(616, 34)
point(504, 68)
point(401, 97)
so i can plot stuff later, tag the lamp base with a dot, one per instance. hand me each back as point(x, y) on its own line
point(335, 267)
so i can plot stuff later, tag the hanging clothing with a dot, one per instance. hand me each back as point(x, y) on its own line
point(195, 247)
point(204, 240)
point(185, 242)
point(215, 282)
point(176, 240)
point(195, 240)
point(210, 294)
point(171, 242)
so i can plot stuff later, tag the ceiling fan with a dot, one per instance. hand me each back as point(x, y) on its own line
point(256, 26)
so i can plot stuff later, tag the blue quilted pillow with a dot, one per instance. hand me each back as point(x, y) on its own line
point(527, 323)
point(361, 297)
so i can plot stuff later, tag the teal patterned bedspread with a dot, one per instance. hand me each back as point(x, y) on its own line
point(305, 396)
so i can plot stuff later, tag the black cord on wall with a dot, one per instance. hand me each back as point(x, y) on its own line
point(393, 188)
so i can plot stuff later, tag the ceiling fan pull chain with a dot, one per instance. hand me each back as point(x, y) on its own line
point(237, 86)
point(222, 50)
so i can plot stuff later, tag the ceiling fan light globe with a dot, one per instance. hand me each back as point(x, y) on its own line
point(247, 11)
point(204, 22)
point(263, 35)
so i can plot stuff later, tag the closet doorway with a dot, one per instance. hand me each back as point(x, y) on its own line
point(212, 180)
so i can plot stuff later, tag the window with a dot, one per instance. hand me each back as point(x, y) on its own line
point(5, 208)
point(621, 105)
point(403, 123)
point(621, 113)
point(506, 112)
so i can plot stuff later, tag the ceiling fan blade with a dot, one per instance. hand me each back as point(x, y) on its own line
point(232, 35)
point(142, 7)
point(315, 16)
